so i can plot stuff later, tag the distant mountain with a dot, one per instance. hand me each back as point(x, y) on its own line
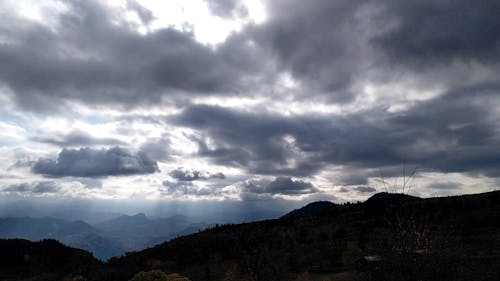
point(138, 231)
point(37, 228)
point(76, 234)
point(107, 239)
point(310, 209)
point(140, 225)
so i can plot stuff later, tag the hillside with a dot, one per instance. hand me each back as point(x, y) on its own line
point(314, 208)
point(384, 238)
point(33, 228)
point(46, 260)
point(106, 239)
point(138, 232)
point(456, 237)
point(77, 234)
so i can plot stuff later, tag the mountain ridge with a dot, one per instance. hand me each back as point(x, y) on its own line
point(461, 232)
point(313, 208)
point(110, 238)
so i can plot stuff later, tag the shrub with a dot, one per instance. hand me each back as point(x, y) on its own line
point(157, 275)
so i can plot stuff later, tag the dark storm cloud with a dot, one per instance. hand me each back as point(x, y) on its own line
point(429, 32)
point(331, 48)
point(252, 141)
point(182, 174)
point(88, 162)
point(327, 46)
point(295, 146)
point(455, 132)
point(280, 185)
point(321, 43)
point(287, 185)
point(35, 187)
point(90, 59)
point(78, 138)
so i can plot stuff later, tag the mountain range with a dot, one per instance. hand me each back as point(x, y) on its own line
point(388, 237)
point(106, 239)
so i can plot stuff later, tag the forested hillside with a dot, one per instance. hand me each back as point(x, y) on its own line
point(388, 237)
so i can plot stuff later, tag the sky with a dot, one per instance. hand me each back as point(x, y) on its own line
point(265, 103)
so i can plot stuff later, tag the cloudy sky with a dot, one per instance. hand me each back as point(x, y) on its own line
point(248, 100)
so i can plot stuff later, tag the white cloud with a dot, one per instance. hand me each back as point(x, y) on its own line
point(11, 133)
